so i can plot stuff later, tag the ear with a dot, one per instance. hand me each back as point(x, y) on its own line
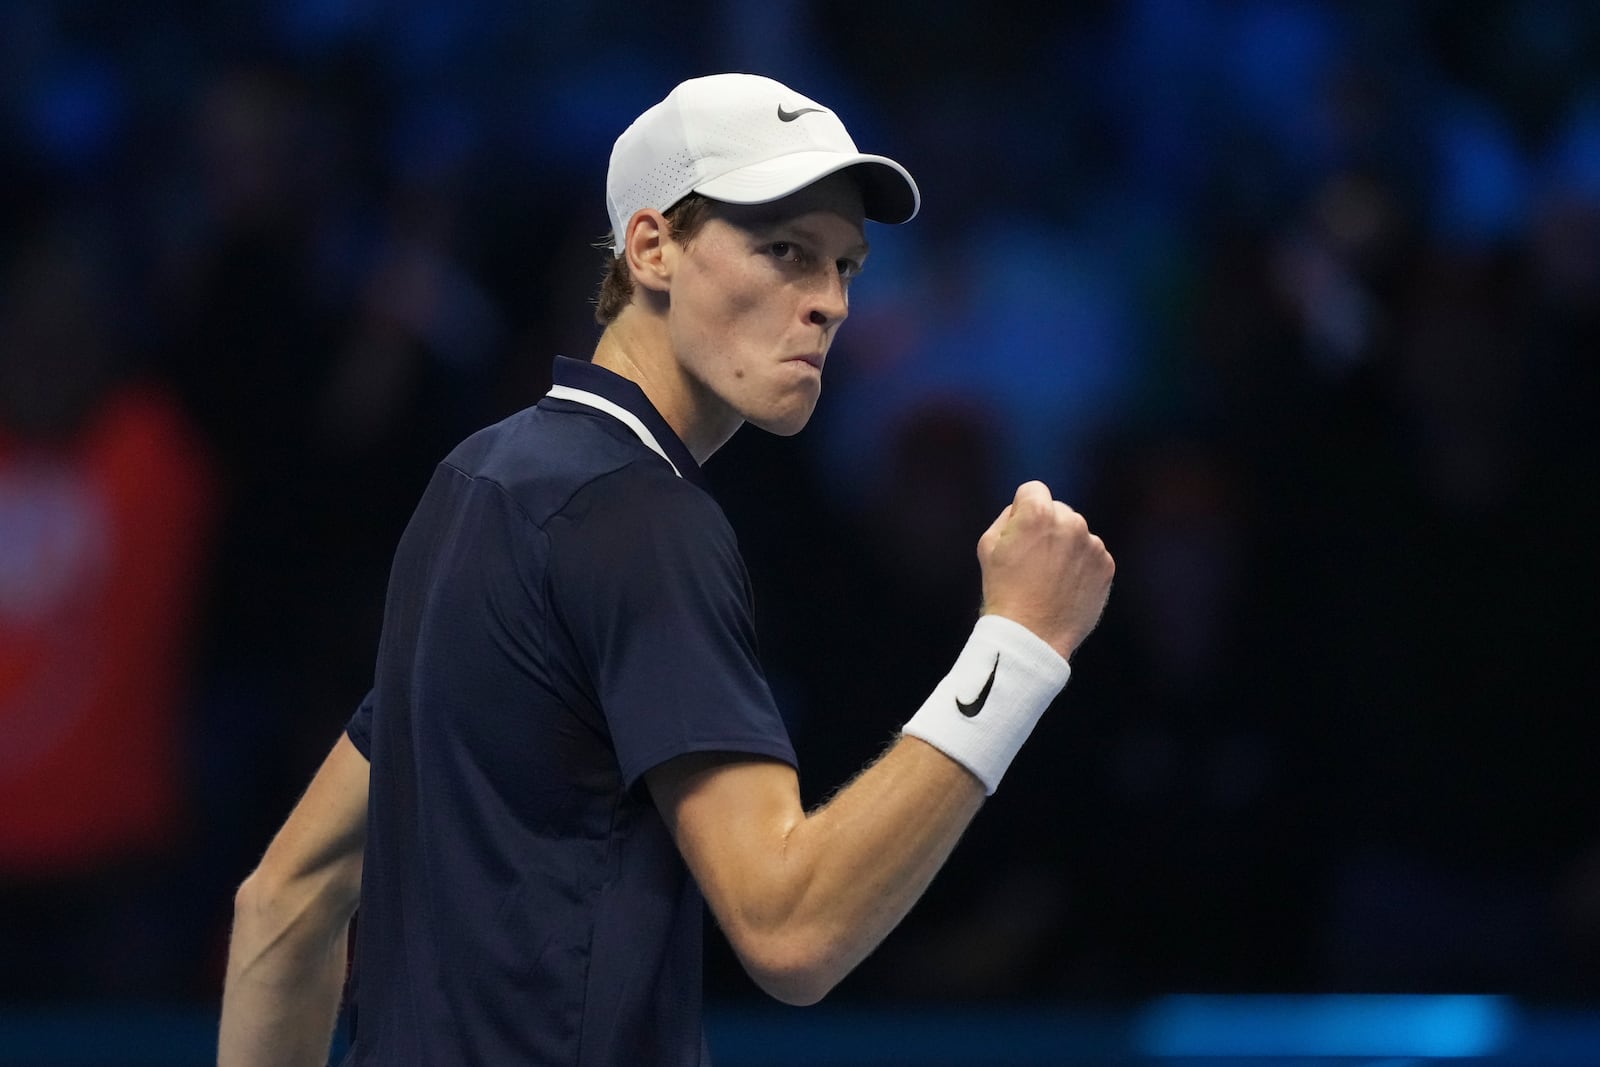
point(650, 250)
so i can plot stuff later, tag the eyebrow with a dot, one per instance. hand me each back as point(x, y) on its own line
point(858, 250)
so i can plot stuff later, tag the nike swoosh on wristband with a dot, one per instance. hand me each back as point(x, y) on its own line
point(972, 709)
point(790, 116)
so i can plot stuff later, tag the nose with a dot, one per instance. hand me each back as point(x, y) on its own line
point(830, 302)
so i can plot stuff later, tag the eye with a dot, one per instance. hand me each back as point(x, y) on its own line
point(848, 268)
point(786, 251)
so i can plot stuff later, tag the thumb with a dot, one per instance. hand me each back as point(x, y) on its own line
point(995, 529)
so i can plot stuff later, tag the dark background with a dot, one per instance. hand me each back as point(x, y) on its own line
point(1296, 301)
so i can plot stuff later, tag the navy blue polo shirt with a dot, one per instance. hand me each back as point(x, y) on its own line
point(567, 609)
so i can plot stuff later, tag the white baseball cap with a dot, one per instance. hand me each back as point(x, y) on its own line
point(742, 139)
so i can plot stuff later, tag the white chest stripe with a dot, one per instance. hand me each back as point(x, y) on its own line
point(621, 414)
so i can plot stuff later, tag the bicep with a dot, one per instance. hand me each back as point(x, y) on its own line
point(322, 844)
point(731, 816)
point(738, 822)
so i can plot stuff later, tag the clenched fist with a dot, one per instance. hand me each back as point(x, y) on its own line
point(1044, 569)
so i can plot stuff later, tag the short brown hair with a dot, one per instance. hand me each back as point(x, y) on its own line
point(616, 285)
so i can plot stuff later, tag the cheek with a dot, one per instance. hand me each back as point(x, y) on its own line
point(733, 315)
point(743, 298)
point(746, 319)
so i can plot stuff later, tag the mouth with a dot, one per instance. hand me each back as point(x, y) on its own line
point(813, 359)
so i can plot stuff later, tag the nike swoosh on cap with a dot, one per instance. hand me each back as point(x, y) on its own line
point(790, 116)
point(972, 709)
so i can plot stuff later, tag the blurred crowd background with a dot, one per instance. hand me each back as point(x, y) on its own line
point(1298, 302)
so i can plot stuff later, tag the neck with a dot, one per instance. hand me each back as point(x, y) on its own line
point(642, 353)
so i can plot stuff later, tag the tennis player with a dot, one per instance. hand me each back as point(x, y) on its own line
point(569, 746)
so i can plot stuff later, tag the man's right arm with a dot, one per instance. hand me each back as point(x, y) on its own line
point(287, 955)
point(804, 897)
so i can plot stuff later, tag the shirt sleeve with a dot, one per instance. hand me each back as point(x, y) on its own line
point(645, 573)
point(360, 726)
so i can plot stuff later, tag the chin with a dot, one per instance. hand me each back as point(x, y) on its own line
point(785, 423)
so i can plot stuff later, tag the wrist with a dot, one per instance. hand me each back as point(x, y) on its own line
point(984, 709)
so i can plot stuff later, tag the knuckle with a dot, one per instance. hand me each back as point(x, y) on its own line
point(1034, 496)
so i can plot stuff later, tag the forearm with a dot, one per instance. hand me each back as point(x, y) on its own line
point(856, 866)
point(866, 857)
point(286, 970)
point(804, 898)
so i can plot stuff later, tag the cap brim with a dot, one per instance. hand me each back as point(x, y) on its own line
point(888, 192)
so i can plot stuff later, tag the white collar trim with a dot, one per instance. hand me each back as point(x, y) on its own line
point(618, 412)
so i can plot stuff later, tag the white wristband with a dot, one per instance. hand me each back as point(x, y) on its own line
point(985, 708)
